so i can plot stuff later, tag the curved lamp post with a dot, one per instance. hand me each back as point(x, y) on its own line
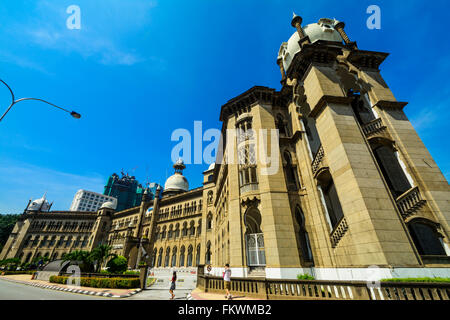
point(74, 114)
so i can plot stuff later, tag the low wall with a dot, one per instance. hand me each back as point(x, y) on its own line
point(275, 289)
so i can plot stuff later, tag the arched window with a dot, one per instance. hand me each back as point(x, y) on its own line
point(209, 221)
point(210, 197)
point(281, 125)
point(426, 238)
point(303, 238)
point(28, 257)
point(166, 261)
point(208, 253)
point(192, 228)
point(185, 230)
point(199, 227)
point(160, 257)
point(177, 230)
point(362, 112)
point(332, 203)
point(153, 260)
point(393, 173)
point(182, 256)
point(68, 241)
point(170, 232)
point(189, 257)
point(256, 256)
point(85, 241)
point(197, 256)
point(290, 172)
point(173, 263)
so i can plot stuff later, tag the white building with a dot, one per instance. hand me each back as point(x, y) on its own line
point(89, 201)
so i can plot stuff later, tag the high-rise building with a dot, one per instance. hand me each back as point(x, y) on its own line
point(85, 200)
point(127, 190)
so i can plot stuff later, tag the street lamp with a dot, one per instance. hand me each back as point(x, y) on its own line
point(74, 114)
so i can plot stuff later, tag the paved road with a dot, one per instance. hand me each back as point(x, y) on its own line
point(17, 291)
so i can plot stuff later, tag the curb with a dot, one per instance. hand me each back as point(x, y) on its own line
point(75, 290)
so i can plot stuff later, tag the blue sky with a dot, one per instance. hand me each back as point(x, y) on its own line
point(137, 70)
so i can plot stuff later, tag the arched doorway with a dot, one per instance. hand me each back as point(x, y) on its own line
point(254, 239)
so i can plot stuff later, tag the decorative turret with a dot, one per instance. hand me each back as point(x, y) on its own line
point(176, 183)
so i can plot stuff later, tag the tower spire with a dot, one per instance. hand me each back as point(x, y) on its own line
point(179, 166)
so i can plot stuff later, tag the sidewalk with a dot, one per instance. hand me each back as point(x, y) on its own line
point(198, 294)
point(105, 292)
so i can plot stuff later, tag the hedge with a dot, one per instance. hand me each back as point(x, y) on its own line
point(441, 280)
point(113, 283)
point(6, 273)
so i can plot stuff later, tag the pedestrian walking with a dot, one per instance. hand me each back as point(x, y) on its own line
point(172, 285)
point(227, 281)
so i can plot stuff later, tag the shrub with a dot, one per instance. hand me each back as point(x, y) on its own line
point(136, 273)
point(117, 265)
point(112, 283)
point(305, 277)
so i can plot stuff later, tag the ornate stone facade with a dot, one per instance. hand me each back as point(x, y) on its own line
point(355, 185)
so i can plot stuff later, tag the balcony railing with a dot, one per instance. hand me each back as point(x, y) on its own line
point(338, 232)
point(373, 127)
point(315, 165)
point(410, 202)
point(276, 289)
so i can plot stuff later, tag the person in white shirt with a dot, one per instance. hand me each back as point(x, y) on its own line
point(227, 281)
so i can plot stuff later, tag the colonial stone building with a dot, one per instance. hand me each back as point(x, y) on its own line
point(349, 184)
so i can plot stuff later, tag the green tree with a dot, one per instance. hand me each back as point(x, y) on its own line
point(118, 264)
point(7, 222)
point(84, 258)
point(101, 254)
point(11, 263)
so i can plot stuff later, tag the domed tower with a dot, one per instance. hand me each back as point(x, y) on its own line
point(177, 183)
point(326, 31)
point(39, 205)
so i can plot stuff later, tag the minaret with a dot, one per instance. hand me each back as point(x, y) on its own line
point(297, 24)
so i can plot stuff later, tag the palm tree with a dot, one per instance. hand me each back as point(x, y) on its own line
point(101, 254)
point(84, 258)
